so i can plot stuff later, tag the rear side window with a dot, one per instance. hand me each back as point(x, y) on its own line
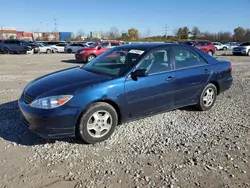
point(114, 44)
point(185, 58)
point(105, 45)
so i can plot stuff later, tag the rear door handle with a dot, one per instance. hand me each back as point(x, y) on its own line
point(170, 78)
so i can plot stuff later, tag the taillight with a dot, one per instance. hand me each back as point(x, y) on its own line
point(231, 68)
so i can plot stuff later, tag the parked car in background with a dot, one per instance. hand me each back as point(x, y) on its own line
point(35, 46)
point(231, 45)
point(243, 49)
point(220, 46)
point(89, 53)
point(204, 45)
point(73, 47)
point(15, 46)
point(124, 83)
point(59, 47)
point(46, 49)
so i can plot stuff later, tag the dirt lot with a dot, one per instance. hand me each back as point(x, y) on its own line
point(182, 148)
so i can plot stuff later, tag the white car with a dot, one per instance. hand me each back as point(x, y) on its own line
point(59, 47)
point(243, 49)
point(220, 46)
point(46, 49)
point(72, 48)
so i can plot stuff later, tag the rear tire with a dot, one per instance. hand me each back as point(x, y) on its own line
point(248, 53)
point(90, 57)
point(207, 98)
point(224, 48)
point(69, 51)
point(48, 51)
point(97, 123)
point(210, 53)
point(6, 51)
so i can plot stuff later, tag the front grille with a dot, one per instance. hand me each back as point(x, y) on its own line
point(28, 98)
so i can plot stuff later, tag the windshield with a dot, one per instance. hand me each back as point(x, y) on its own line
point(94, 45)
point(40, 45)
point(245, 44)
point(114, 62)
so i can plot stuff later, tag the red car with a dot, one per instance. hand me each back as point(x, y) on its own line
point(204, 45)
point(89, 53)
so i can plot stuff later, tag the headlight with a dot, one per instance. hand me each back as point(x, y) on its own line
point(81, 52)
point(51, 102)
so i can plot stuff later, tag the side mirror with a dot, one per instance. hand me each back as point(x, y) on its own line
point(99, 47)
point(139, 73)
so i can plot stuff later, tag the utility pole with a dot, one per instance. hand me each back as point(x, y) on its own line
point(166, 30)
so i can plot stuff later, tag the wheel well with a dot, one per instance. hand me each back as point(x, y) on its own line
point(217, 86)
point(115, 106)
point(91, 54)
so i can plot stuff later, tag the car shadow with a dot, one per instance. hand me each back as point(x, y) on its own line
point(74, 61)
point(13, 130)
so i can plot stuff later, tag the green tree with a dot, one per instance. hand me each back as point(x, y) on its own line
point(133, 33)
point(185, 33)
point(11, 37)
point(179, 33)
point(239, 34)
point(196, 32)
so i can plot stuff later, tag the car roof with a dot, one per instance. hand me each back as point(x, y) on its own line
point(147, 46)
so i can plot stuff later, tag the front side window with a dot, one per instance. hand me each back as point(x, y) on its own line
point(114, 62)
point(185, 58)
point(157, 61)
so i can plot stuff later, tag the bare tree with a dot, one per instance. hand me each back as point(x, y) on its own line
point(114, 33)
point(80, 33)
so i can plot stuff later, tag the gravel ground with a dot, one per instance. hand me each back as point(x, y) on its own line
point(182, 148)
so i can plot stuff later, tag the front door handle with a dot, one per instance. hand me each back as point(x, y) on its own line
point(170, 78)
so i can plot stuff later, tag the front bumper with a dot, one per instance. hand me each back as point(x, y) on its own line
point(80, 57)
point(54, 123)
point(241, 52)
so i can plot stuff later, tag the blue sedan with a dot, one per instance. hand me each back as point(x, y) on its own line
point(124, 83)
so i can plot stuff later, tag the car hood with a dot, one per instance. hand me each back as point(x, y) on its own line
point(63, 79)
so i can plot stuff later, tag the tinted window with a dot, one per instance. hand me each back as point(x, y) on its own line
point(105, 45)
point(61, 44)
point(189, 43)
point(9, 42)
point(200, 44)
point(186, 58)
point(114, 44)
point(157, 61)
point(245, 44)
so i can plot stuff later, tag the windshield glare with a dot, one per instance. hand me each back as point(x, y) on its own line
point(114, 62)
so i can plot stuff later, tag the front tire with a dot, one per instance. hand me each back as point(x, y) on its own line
point(90, 57)
point(48, 51)
point(248, 53)
point(69, 51)
point(207, 97)
point(97, 123)
point(6, 51)
point(224, 48)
